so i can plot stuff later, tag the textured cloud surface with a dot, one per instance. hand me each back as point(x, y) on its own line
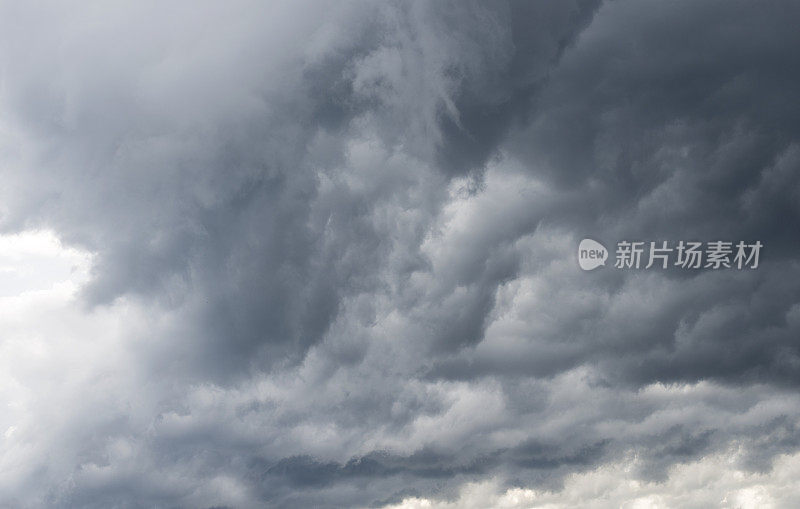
point(322, 254)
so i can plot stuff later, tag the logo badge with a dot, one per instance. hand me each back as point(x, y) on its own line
point(591, 254)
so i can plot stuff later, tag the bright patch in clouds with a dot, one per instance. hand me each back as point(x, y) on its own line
point(36, 261)
point(56, 356)
point(713, 481)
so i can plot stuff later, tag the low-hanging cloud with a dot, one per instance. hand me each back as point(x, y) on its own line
point(332, 248)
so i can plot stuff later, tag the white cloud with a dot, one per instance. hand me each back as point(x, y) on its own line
point(713, 481)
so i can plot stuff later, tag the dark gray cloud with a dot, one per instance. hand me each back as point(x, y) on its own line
point(332, 246)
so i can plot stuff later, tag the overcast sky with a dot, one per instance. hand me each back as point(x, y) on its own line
point(323, 254)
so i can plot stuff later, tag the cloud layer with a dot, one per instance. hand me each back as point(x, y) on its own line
point(325, 253)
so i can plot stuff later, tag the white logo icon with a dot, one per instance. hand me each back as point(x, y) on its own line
point(591, 254)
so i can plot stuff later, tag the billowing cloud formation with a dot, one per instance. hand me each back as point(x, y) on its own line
point(332, 252)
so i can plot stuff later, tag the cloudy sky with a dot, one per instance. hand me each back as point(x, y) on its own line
point(323, 254)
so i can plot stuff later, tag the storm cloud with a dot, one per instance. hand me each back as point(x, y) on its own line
point(322, 254)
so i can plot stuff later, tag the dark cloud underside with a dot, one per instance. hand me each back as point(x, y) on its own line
point(349, 227)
